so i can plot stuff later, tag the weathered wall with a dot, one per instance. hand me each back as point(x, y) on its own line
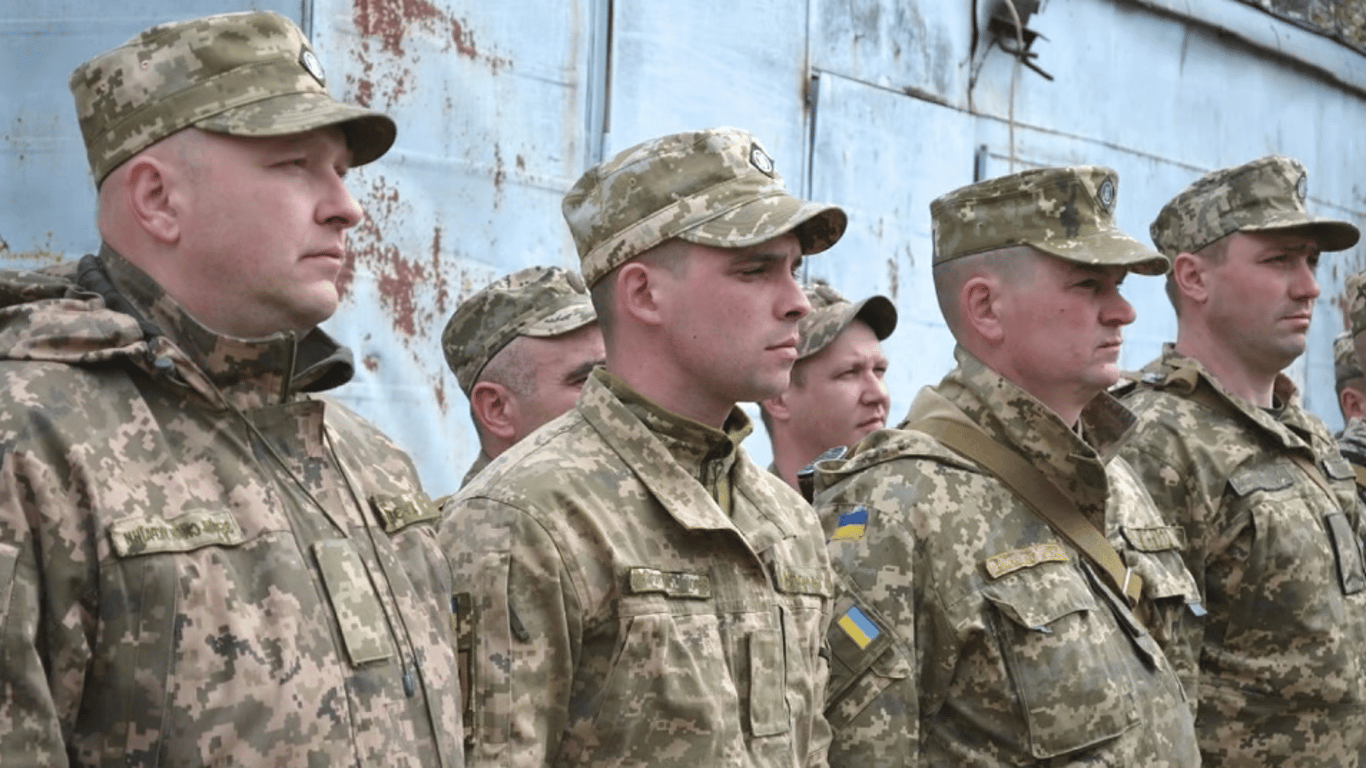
point(877, 105)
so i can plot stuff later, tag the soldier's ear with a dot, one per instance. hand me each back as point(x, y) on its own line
point(494, 408)
point(1188, 275)
point(638, 292)
point(150, 197)
point(776, 407)
point(1352, 402)
point(979, 306)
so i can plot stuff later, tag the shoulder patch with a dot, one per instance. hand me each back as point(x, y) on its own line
point(858, 627)
point(852, 524)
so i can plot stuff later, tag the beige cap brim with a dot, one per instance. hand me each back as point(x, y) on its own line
point(369, 134)
point(1106, 248)
point(817, 225)
point(1331, 234)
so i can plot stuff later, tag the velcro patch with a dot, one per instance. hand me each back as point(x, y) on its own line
point(190, 531)
point(1338, 468)
point(852, 525)
point(802, 581)
point(1028, 557)
point(398, 512)
point(859, 627)
point(1158, 539)
point(672, 584)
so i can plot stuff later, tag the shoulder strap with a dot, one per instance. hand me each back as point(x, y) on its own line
point(1360, 473)
point(1051, 504)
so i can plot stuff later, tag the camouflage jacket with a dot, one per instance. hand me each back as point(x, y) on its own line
point(1352, 444)
point(169, 594)
point(1277, 559)
point(481, 461)
point(616, 615)
point(967, 632)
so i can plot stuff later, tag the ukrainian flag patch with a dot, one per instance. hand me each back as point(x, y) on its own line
point(859, 627)
point(852, 525)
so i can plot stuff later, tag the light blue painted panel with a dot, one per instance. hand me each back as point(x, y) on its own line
point(922, 47)
point(490, 101)
point(883, 156)
point(679, 67)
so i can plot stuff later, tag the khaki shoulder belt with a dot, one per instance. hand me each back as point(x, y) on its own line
point(1050, 503)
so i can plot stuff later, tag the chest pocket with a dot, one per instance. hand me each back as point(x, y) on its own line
point(1273, 494)
point(1065, 657)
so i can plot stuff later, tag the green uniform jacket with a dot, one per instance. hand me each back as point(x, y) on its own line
point(967, 632)
point(617, 616)
point(169, 594)
point(1277, 559)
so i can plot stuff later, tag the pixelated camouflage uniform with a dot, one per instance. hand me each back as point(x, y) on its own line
point(1352, 445)
point(1277, 560)
point(639, 593)
point(168, 594)
point(1041, 664)
point(480, 461)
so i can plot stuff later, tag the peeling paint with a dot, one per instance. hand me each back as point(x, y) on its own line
point(391, 21)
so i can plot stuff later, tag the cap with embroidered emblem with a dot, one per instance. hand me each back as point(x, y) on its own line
point(1064, 212)
point(1265, 195)
point(242, 74)
point(716, 187)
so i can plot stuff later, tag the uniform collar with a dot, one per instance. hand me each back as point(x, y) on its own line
point(1073, 460)
point(248, 372)
point(694, 445)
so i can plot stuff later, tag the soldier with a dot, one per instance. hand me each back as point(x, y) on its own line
point(1266, 502)
point(202, 562)
point(995, 561)
point(521, 350)
point(1351, 383)
point(837, 394)
point(1348, 380)
point(633, 590)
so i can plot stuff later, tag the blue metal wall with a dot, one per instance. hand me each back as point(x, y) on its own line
point(879, 105)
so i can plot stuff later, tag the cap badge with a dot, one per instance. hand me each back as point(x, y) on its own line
point(314, 67)
point(1106, 193)
point(1302, 187)
point(760, 159)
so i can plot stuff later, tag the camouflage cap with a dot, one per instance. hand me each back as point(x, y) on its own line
point(244, 74)
point(1065, 212)
point(715, 187)
point(1354, 292)
point(1345, 364)
point(536, 301)
point(1261, 196)
point(831, 313)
